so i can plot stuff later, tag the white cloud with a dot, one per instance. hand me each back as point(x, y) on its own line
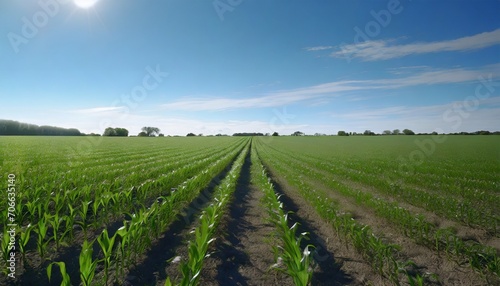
point(449, 117)
point(318, 48)
point(278, 98)
point(383, 50)
point(332, 89)
point(97, 110)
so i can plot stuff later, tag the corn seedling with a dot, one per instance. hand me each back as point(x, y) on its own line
point(106, 243)
point(66, 281)
point(41, 229)
point(299, 264)
point(83, 211)
point(87, 264)
point(24, 238)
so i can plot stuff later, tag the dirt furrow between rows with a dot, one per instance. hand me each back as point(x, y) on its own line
point(449, 272)
point(156, 265)
point(243, 254)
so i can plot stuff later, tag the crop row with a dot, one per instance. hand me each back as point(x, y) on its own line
point(126, 169)
point(54, 217)
point(298, 263)
point(204, 233)
point(461, 210)
point(382, 256)
point(123, 248)
point(481, 258)
point(63, 210)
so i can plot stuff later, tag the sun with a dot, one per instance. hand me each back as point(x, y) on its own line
point(85, 4)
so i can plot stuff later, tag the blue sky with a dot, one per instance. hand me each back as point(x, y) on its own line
point(228, 66)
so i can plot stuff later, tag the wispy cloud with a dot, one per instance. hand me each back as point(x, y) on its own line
point(97, 110)
point(332, 89)
point(424, 118)
point(319, 48)
point(385, 49)
point(278, 98)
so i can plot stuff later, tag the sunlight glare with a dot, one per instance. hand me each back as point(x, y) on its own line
point(85, 4)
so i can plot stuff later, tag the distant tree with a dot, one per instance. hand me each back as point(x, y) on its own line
point(387, 132)
point(142, 134)
point(191, 134)
point(218, 134)
point(298, 133)
point(368, 133)
point(248, 134)
point(151, 131)
point(201, 134)
point(161, 135)
point(342, 133)
point(11, 127)
point(276, 134)
point(434, 133)
point(396, 132)
point(121, 132)
point(110, 131)
point(408, 132)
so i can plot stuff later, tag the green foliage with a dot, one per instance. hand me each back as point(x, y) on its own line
point(342, 133)
point(153, 180)
point(66, 281)
point(107, 245)
point(150, 131)
point(87, 264)
point(110, 131)
point(10, 127)
point(299, 263)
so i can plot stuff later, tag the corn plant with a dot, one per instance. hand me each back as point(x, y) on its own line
point(83, 223)
point(41, 229)
point(59, 201)
point(69, 223)
point(299, 263)
point(95, 207)
point(24, 238)
point(56, 223)
point(5, 245)
point(32, 207)
point(106, 243)
point(66, 281)
point(87, 264)
point(122, 240)
point(198, 249)
point(210, 218)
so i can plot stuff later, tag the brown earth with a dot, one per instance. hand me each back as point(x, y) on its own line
point(244, 255)
point(448, 271)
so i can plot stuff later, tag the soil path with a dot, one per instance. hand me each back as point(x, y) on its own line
point(448, 271)
point(244, 254)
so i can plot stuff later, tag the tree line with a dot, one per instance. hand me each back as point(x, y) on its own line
point(11, 127)
point(410, 132)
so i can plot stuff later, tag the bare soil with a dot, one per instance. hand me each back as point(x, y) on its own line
point(244, 255)
point(448, 271)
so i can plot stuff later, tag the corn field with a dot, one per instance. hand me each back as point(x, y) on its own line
point(161, 211)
